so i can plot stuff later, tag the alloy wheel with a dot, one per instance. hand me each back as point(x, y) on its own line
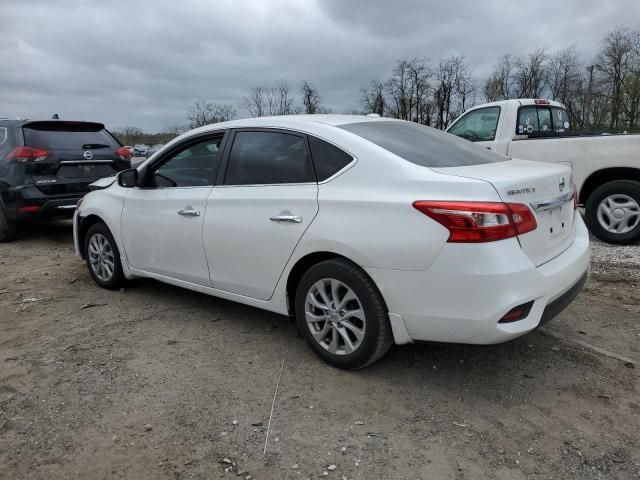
point(101, 257)
point(335, 316)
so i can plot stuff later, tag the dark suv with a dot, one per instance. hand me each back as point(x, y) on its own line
point(46, 166)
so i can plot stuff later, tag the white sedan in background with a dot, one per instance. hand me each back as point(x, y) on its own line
point(367, 230)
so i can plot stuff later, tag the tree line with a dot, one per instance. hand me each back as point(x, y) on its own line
point(602, 93)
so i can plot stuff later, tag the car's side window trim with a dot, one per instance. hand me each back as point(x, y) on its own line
point(186, 143)
point(495, 134)
point(220, 183)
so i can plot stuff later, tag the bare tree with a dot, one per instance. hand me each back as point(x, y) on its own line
point(420, 77)
point(613, 64)
point(311, 98)
point(372, 97)
point(254, 102)
point(454, 89)
point(530, 75)
point(500, 85)
point(276, 100)
point(202, 113)
point(565, 80)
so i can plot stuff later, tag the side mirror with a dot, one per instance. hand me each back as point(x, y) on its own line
point(128, 178)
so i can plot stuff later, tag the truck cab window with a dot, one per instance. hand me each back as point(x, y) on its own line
point(542, 119)
point(478, 125)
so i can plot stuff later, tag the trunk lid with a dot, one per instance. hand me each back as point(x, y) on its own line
point(545, 188)
point(79, 154)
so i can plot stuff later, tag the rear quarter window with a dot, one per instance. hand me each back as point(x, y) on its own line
point(68, 136)
point(327, 159)
point(424, 146)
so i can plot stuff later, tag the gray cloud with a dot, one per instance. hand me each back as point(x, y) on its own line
point(130, 62)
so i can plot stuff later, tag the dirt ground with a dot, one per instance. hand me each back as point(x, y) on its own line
point(156, 382)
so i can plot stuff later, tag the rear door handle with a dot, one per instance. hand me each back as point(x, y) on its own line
point(189, 212)
point(286, 218)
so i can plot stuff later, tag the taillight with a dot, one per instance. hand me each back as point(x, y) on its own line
point(473, 222)
point(24, 154)
point(123, 153)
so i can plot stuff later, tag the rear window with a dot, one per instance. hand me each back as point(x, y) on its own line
point(68, 136)
point(424, 146)
point(533, 119)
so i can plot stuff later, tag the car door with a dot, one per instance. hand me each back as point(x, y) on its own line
point(162, 219)
point(258, 213)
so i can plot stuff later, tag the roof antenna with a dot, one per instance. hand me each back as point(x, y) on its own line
point(55, 116)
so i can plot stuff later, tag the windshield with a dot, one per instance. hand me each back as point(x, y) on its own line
point(424, 146)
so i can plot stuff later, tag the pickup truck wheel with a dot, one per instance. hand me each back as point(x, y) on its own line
point(8, 228)
point(613, 212)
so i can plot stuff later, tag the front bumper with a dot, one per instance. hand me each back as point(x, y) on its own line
point(469, 288)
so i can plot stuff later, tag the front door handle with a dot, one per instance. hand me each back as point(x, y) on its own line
point(286, 218)
point(188, 211)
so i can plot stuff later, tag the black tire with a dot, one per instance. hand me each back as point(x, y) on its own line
point(8, 229)
point(378, 337)
point(117, 279)
point(629, 188)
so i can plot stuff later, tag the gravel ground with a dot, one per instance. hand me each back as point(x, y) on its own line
point(156, 382)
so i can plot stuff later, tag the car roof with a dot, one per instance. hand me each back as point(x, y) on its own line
point(292, 121)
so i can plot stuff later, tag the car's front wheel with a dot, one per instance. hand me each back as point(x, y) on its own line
point(103, 258)
point(342, 315)
point(612, 212)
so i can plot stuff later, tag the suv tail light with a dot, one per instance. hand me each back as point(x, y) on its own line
point(24, 154)
point(474, 222)
point(123, 153)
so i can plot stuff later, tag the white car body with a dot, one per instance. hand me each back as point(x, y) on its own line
point(596, 159)
point(434, 290)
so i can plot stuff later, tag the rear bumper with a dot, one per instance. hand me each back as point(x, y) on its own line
point(469, 288)
point(29, 203)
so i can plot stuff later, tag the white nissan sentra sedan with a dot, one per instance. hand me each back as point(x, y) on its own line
point(368, 230)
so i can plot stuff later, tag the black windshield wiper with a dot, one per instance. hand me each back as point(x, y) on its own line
point(89, 146)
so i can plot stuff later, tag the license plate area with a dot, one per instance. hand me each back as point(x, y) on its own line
point(558, 220)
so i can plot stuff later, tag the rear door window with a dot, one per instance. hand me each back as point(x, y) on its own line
point(424, 146)
point(267, 158)
point(327, 159)
point(68, 136)
point(478, 126)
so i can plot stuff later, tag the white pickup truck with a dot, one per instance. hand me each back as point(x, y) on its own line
point(606, 168)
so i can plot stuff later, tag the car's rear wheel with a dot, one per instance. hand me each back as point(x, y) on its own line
point(342, 315)
point(8, 229)
point(103, 258)
point(612, 212)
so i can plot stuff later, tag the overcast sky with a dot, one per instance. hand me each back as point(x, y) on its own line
point(140, 63)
